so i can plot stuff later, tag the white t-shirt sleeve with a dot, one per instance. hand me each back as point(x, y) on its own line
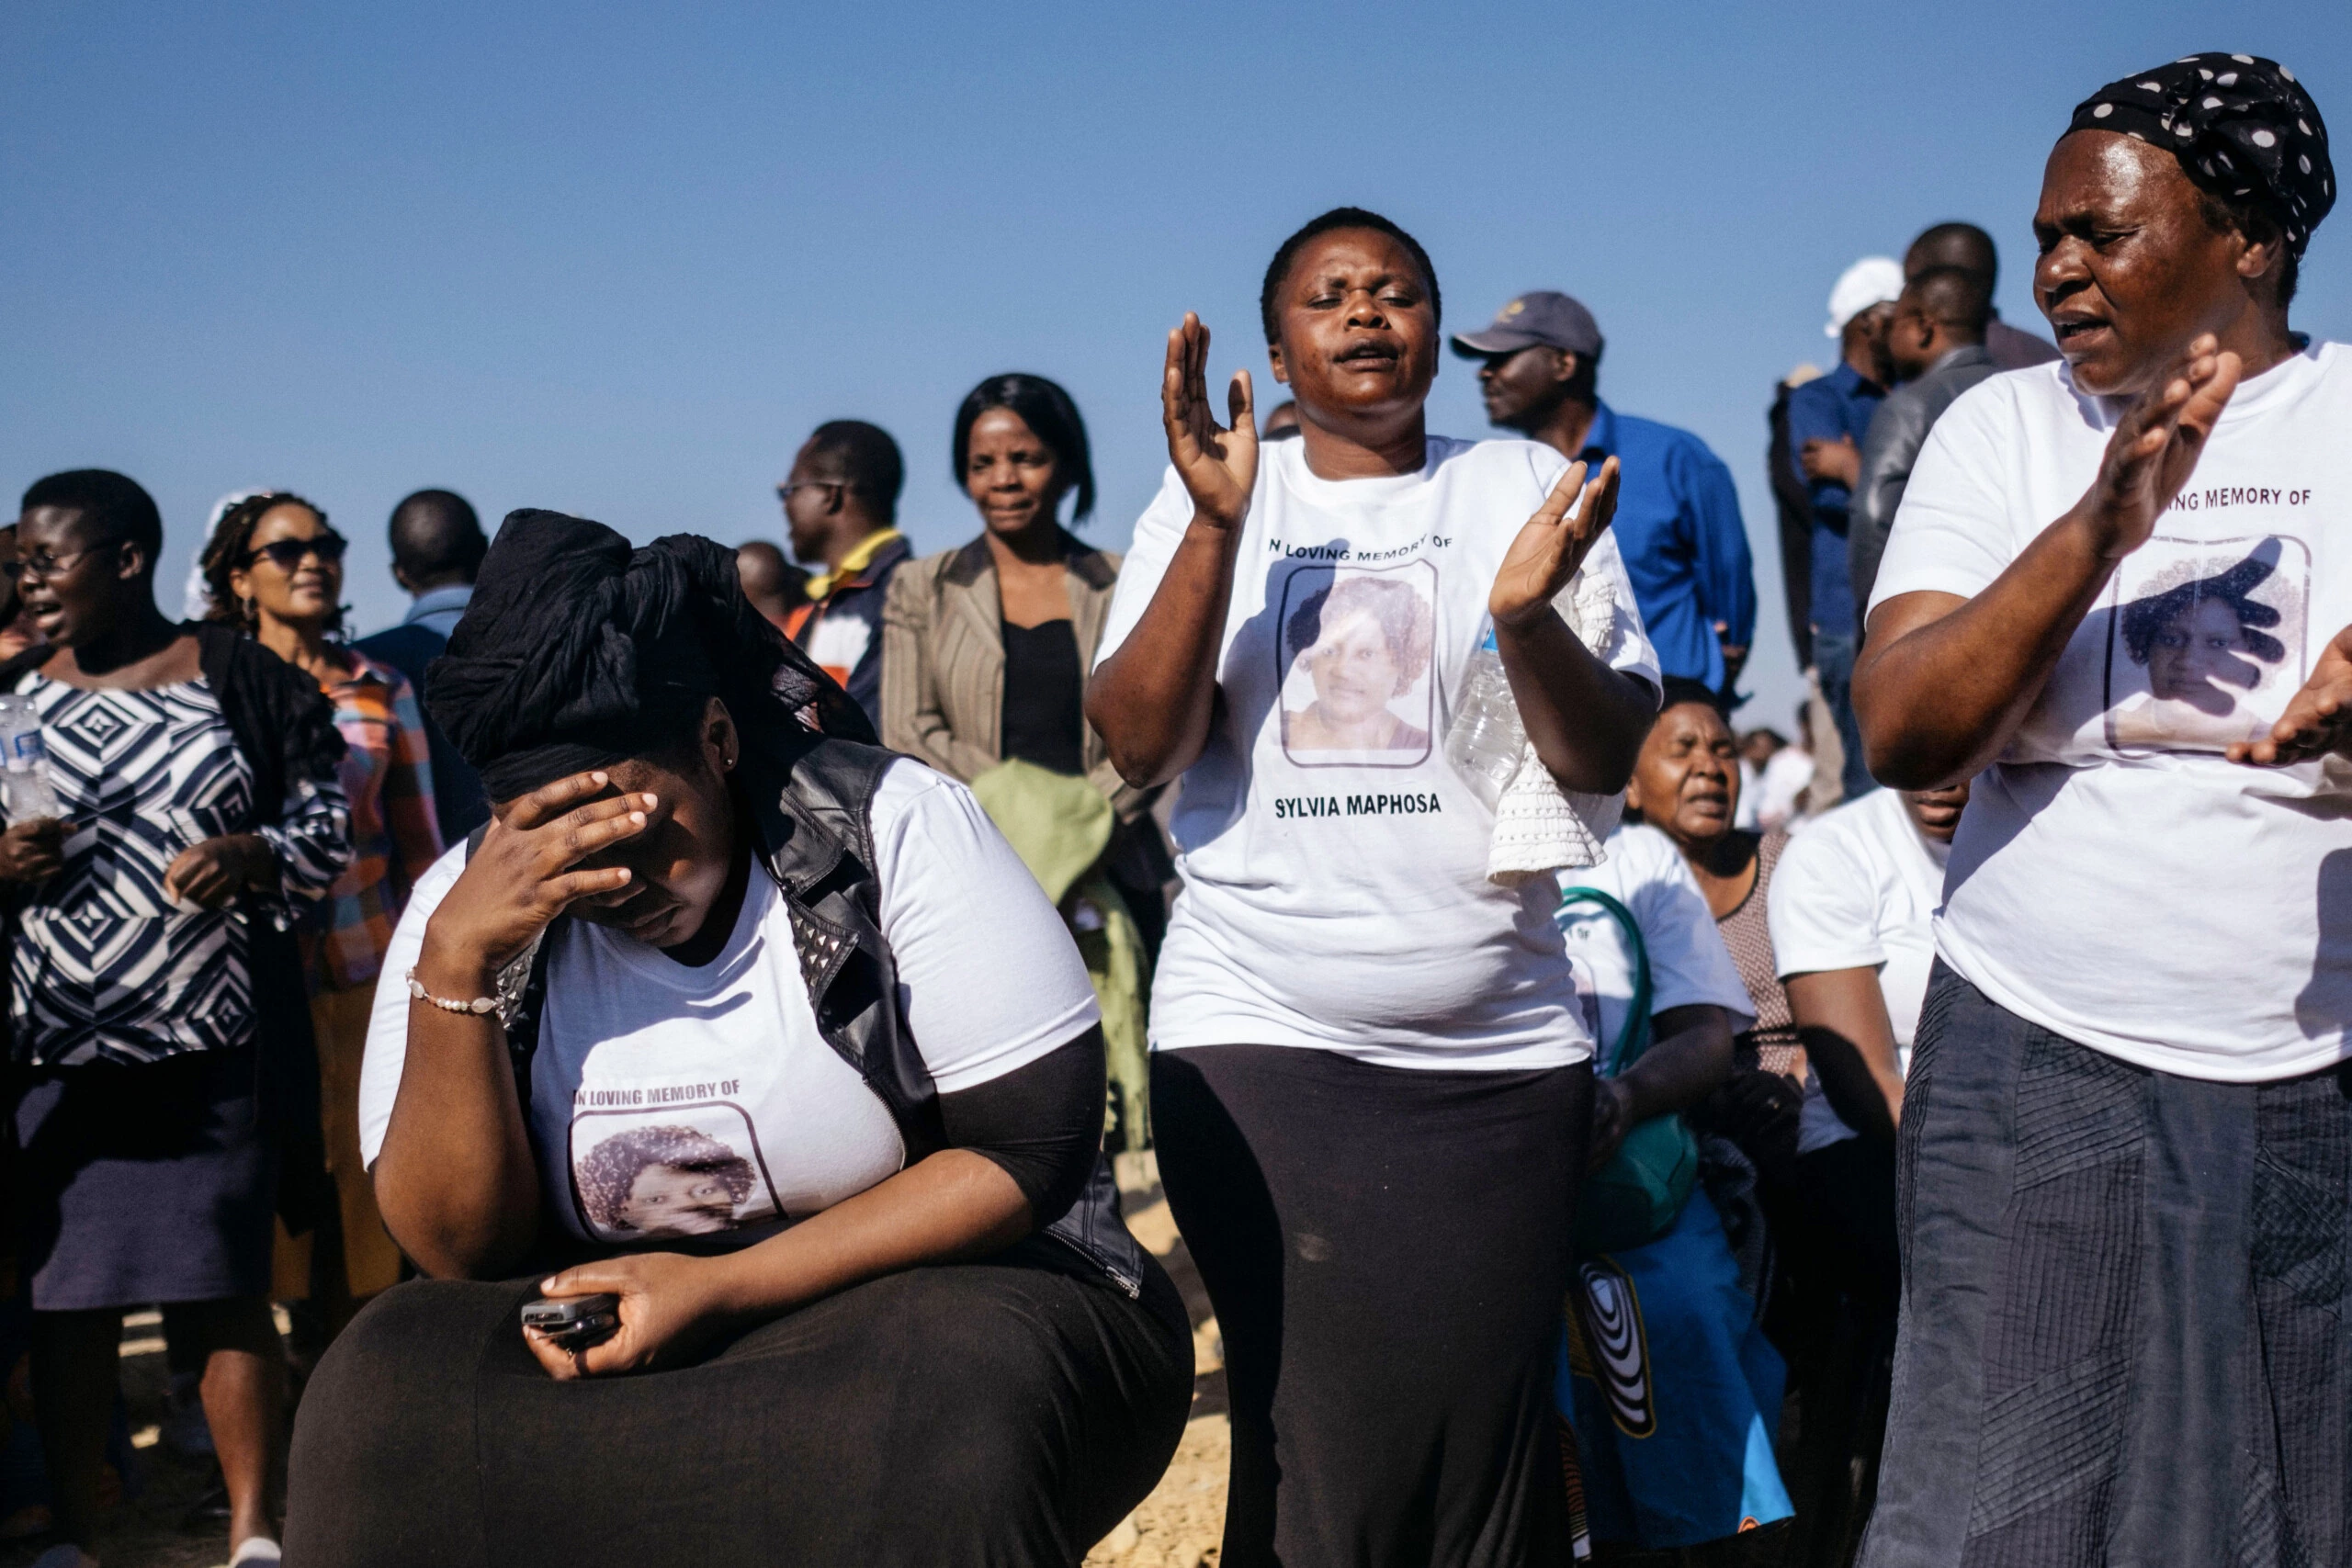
point(1824, 911)
point(1687, 957)
point(1953, 533)
point(1158, 532)
point(987, 973)
point(379, 1075)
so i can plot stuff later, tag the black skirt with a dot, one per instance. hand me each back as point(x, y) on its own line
point(2125, 1299)
point(991, 1413)
point(147, 1182)
point(1387, 1251)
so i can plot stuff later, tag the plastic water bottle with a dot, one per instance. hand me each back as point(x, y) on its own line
point(26, 791)
point(1486, 740)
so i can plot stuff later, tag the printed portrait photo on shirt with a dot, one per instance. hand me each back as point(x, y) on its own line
point(2206, 645)
point(675, 1171)
point(1356, 649)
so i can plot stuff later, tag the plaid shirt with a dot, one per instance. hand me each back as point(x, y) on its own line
point(395, 836)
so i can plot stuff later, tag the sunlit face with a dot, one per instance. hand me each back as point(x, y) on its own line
point(1011, 473)
point(2130, 271)
point(812, 497)
point(1358, 334)
point(1355, 673)
point(2199, 649)
point(1523, 387)
point(82, 592)
point(668, 1200)
point(308, 592)
point(1686, 782)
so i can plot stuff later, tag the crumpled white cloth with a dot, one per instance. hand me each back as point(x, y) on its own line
point(1539, 827)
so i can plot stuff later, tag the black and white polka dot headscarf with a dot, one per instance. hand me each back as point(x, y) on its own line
point(2243, 128)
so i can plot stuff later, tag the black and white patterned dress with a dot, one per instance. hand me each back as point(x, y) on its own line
point(107, 966)
point(147, 1169)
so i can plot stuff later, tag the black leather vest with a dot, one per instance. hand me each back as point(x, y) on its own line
point(812, 799)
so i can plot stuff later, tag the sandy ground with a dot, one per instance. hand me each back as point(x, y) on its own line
point(1179, 1525)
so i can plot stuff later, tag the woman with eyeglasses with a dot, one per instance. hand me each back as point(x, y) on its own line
point(159, 1041)
point(273, 572)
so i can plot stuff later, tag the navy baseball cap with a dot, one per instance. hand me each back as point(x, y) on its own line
point(1544, 317)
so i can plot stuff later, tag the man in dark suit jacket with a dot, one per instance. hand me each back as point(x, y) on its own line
point(437, 546)
point(1936, 344)
point(1969, 248)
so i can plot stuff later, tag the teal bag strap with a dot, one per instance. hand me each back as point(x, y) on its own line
point(1633, 1037)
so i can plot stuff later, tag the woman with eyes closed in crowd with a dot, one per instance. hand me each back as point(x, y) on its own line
point(1371, 1078)
point(2125, 1154)
point(703, 1021)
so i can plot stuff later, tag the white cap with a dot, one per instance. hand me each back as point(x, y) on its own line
point(196, 597)
point(1873, 280)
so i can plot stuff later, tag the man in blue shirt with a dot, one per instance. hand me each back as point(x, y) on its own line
point(437, 546)
point(1677, 521)
point(1827, 419)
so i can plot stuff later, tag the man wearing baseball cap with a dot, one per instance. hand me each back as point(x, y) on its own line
point(1827, 419)
point(1677, 521)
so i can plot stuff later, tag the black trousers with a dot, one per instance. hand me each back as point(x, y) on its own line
point(2125, 1299)
point(982, 1414)
point(1387, 1251)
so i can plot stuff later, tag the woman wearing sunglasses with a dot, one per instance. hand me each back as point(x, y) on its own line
point(274, 569)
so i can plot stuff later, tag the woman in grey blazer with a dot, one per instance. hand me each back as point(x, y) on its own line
point(986, 648)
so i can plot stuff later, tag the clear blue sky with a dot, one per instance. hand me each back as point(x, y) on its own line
point(619, 259)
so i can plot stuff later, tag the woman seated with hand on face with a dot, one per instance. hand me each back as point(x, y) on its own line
point(704, 1012)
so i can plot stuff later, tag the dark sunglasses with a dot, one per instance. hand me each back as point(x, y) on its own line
point(287, 554)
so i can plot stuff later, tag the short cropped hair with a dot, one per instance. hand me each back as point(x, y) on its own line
point(1955, 298)
point(1278, 270)
point(436, 532)
point(1044, 408)
point(114, 503)
point(867, 458)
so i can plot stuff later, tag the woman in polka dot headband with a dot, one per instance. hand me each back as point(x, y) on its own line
point(2125, 1157)
point(2242, 127)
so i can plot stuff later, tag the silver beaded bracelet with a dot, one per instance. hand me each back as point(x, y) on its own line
point(478, 1006)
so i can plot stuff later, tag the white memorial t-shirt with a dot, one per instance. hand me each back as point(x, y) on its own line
point(2116, 879)
point(1335, 866)
point(670, 1101)
point(1690, 966)
point(1859, 891)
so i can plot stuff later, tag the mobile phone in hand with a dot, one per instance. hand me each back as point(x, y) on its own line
point(574, 1323)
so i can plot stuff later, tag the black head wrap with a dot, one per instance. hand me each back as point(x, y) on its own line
point(2242, 127)
point(577, 651)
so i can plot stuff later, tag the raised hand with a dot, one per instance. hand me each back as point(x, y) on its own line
point(2318, 719)
point(1552, 545)
point(1217, 463)
point(522, 875)
point(2157, 444)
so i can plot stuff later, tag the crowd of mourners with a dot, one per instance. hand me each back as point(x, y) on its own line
point(655, 1022)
